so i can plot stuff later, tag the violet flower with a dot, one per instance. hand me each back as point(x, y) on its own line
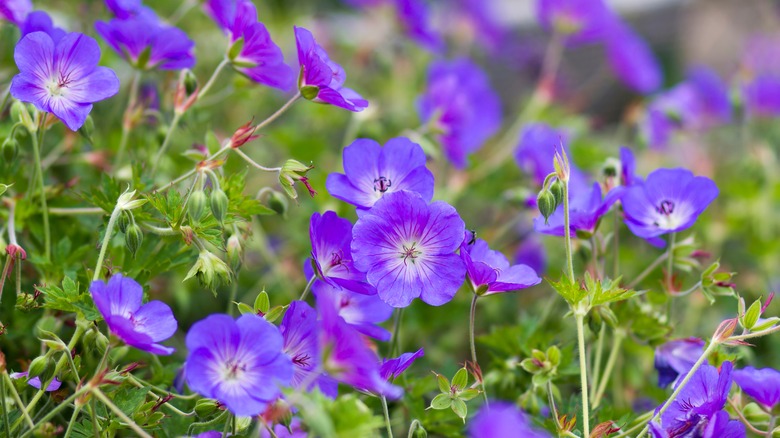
point(759, 79)
point(407, 249)
point(141, 326)
point(15, 11)
point(536, 149)
point(238, 362)
point(147, 43)
point(363, 312)
point(390, 369)
point(461, 106)
point(586, 209)
point(39, 21)
point(371, 171)
point(35, 382)
point(669, 201)
point(124, 9)
point(489, 271)
point(531, 252)
point(763, 385)
point(628, 175)
point(415, 19)
point(503, 420)
point(580, 21)
point(331, 256)
point(322, 80)
point(675, 358)
point(632, 60)
point(62, 78)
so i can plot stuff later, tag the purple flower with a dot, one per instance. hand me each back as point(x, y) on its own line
point(581, 21)
point(147, 43)
point(585, 211)
point(123, 9)
point(531, 252)
point(373, 171)
point(669, 201)
point(347, 357)
point(714, 105)
point(761, 384)
point(321, 80)
point(390, 369)
point(762, 96)
point(331, 256)
point(40, 21)
point(363, 312)
point(62, 78)
point(15, 11)
point(238, 362)
point(534, 153)
point(675, 358)
point(407, 249)
point(489, 271)
point(632, 60)
point(35, 382)
point(483, 17)
point(414, 17)
point(460, 103)
point(628, 175)
point(299, 331)
point(281, 431)
point(139, 325)
point(503, 420)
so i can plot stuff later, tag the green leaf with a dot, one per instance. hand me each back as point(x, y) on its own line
point(461, 379)
point(569, 290)
point(468, 394)
point(752, 314)
point(606, 291)
point(441, 401)
point(128, 400)
point(444, 384)
point(460, 409)
point(245, 309)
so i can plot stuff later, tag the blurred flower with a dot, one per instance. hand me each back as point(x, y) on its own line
point(489, 271)
point(482, 17)
point(40, 21)
point(15, 11)
point(675, 358)
point(761, 96)
point(390, 369)
point(281, 431)
point(35, 382)
point(460, 106)
point(124, 9)
point(238, 362)
point(585, 211)
point(531, 252)
point(763, 385)
point(62, 78)
point(669, 201)
point(415, 19)
point(147, 43)
point(580, 21)
point(139, 325)
point(363, 312)
point(299, 331)
point(321, 80)
point(534, 154)
point(407, 248)
point(628, 175)
point(503, 420)
point(759, 76)
point(346, 356)
point(632, 61)
point(330, 253)
point(371, 171)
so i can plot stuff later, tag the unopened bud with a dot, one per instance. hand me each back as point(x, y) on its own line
point(124, 220)
point(218, 201)
point(235, 252)
point(292, 171)
point(556, 189)
point(210, 270)
point(186, 92)
point(87, 129)
point(244, 134)
point(38, 367)
point(10, 149)
point(546, 204)
point(20, 113)
point(190, 82)
point(196, 206)
point(205, 407)
point(133, 238)
point(101, 342)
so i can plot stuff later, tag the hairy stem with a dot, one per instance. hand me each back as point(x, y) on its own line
point(308, 286)
point(583, 373)
point(388, 426)
point(17, 399)
point(567, 231)
point(650, 268)
point(617, 341)
point(37, 141)
point(106, 240)
point(472, 317)
point(126, 123)
point(118, 412)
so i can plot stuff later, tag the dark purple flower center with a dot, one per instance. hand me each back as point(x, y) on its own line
point(337, 259)
point(345, 302)
point(301, 360)
point(234, 370)
point(410, 252)
point(666, 208)
point(381, 184)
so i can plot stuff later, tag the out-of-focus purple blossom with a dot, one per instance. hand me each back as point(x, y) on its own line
point(299, 331)
point(15, 11)
point(363, 312)
point(585, 211)
point(390, 369)
point(759, 77)
point(763, 385)
point(141, 326)
point(534, 154)
point(238, 362)
point(489, 271)
point(322, 80)
point(632, 61)
point(580, 21)
point(39, 21)
point(461, 106)
point(714, 106)
point(481, 15)
point(371, 171)
point(669, 201)
point(124, 9)
point(628, 175)
point(62, 77)
point(281, 431)
point(415, 19)
point(531, 252)
point(147, 43)
point(35, 382)
point(330, 251)
point(407, 249)
point(675, 358)
point(761, 96)
point(503, 420)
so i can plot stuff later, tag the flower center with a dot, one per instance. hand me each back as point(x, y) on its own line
point(666, 208)
point(381, 184)
point(233, 370)
point(410, 252)
point(56, 85)
point(301, 360)
point(344, 302)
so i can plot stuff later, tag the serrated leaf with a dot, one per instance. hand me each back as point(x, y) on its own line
point(128, 400)
point(441, 401)
point(461, 379)
point(606, 291)
point(569, 290)
point(460, 409)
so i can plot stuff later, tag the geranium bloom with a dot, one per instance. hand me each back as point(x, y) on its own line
point(628, 175)
point(128, 8)
point(414, 17)
point(531, 252)
point(321, 80)
point(390, 369)
point(489, 271)
point(407, 248)
point(62, 78)
point(761, 384)
point(15, 11)
point(330, 251)
point(503, 420)
point(669, 201)
point(238, 362)
point(759, 77)
point(631, 59)
point(585, 211)
point(675, 358)
point(580, 21)
point(35, 382)
point(373, 171)
point(147, 43)
point(536, 149)
point(460, 104)
point(363, 312)
point(137, 325)
point(299, 332)
point(39, 21)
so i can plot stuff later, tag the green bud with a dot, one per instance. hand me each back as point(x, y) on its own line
point(133, 238)
point(205, 407)
point(309, 92)
point(38, 367)
point(10, 149)
point(20, 113)
point(87, 129)
point(278, 203)
point(190, 82)
point(210, 270)
point(124, 220)
point(101, 342)
point(292, 171)
point(219, 204)
point(196, 206)
point(546, 204)
point(235, 253)
point(556, 189)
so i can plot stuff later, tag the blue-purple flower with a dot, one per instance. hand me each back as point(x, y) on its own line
point(669, 201)
point(238, 362)
point(586, 207)
point(503, 420)
point(489, 271)
point(363, 312)
point(407, 249)
point(632, 60)
point(372, 171)
point(15, 11)
point(534, 154)
point(580, 21)
point(763, 385)
point(123, 9)
point(320, 79)
point(675, 358)
point(759, 79)
point(331, 257)
point(62, 78)
point(39, 21)
point(141, 326)
point(628, 175)
point(35, 382)
point(415, 19)
point(461, 106)
point(531, 252)
point(390, 369)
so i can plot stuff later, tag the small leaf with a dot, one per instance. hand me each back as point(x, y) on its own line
point(461, 379)
point(274, 313)
point(752, 314)
point(244, 309)
point(444, 384)
point(468, 394)
point(460, 408)
point(441, 401)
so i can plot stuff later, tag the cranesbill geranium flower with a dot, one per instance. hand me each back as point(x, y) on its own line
point(390, 369)
point(139, 325)
point(536, 149)
point(585, 211)
point(62, 78)
point(461, 106)
point(39, 21)
point(414, 17)
point(407, 249)
point(363, 312)
point(580, 21)
point(489, 271)
point(632, 60)
point(320, 79)
point(761, 384)
point(675, 358)
point(531, 252)
point(373, 171)
point(669, 201)
point(129, 8)
point(238, 362)
point(15, 11)
point(35, 382)
point(503, 420)
point(330, 253)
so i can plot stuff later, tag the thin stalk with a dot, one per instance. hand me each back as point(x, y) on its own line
point(75, 211)
point(308, 286)
point(770, 430)
point(174, 123)
point(56, 410)
point(206, 424)
point(617, 341)
point(567, 233)
point(126, 124)
point(616, 243)
point(472, 317)
point(233, 293)
point(18, 400)
point(551, 401)
point(37, 141)
point(650, 268)
point(202, 92)
point(185, 7)
point(93, 416)
point(118, 412)
point(387, 417)
point(413, 428)
point(596, 369)
point(4, 275)
point(396, 338)
point(106, 240)
point(226, 429)
point(278, 112)
point(583, 371)
point(745, 420)
point(255, 164)
point(670, 262)
point(191, 172)
point(5, 409)
point(72, 421)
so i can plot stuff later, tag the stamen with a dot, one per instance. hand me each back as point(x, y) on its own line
point(381, 184)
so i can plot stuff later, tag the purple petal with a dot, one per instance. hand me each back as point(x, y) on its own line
point(392, 368)
point(156, 320)
point(763, 385)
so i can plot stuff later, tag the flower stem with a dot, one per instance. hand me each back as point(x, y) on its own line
point(17, 400)
point(396, 338)
point(253, 163)
point(106, 240)
point(37, 141)
point(126, 123)
point(597, 363)
point(567, 231)
point(583, 372)
point(650, 268)
point(617, 341)
point(118, 412)
point(770, 430)
point(413, 428)
point(308, 286)
point(472, 317)
point(60, 406)
point(387, 417)
point(174, 123)
point(670, 262)
point(75, 211)
point(72, 421)
point(278, 112)
point(6, 424)
point(551, 401)
point(213, 78)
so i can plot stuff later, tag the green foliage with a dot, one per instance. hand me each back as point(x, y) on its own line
point(69, 298)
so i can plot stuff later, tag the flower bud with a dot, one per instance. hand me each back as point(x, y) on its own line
point(235, 253)
point(190, 82)
point(556, 189)
point(278, 203)
point(133, 238)
point(101, 342)
point(546, 204)
point(210, 270)
point(38, 367)
point(87, 129)
point(20, 113)
point(292, 171)
point(196, 206)
point(10, 149)
point(205, 407)
point(186, 92)
point(219, 204)
point(124, 220)
point(244, 134)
